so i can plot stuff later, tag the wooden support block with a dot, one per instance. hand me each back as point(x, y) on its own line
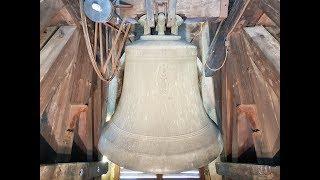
point(204, 173)
point(159, 176)
point(269, 46)
point(48, 8)
point(190, 9)
point(83, 133)
point(248, 171)
point(73, 170)
point(76, 113)
point(115, 174)
point(56, 60)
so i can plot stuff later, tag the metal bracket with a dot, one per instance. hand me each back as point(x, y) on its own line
point(172, 13)
point(161, 7)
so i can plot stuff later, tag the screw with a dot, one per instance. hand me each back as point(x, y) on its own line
point(98, 170)
point(81, 172)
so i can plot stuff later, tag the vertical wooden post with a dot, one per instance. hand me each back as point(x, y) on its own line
point(204, 173)
point(116, 172)
point(159, 176)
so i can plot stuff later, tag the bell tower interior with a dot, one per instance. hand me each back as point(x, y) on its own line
point(160, 89)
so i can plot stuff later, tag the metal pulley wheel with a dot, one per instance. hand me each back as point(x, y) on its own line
point(99, 11)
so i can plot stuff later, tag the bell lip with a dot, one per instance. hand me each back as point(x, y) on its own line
point(160, 37)
point(158, 164)
point(183, 165)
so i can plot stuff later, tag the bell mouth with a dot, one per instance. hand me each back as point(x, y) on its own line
point(160, 37)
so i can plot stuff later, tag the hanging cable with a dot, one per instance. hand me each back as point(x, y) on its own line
point(226, 39)
point(103, 66)
point(88, 44)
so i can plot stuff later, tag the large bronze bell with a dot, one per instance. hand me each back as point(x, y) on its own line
point(160, 125)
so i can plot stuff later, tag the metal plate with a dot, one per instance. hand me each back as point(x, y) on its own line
point(98, 10)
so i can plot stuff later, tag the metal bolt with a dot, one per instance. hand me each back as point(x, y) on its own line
point(98, 170)
point(81, 172)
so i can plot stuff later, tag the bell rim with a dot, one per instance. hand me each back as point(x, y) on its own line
point(186, 161)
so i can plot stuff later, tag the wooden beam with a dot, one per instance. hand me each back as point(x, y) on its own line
point(46, 35)
point(271, 73)
point(83, 76)
point(56, 59)
point(248, 170)
point(190, 9)
point(48, 8)
point(73, 8)
point(73, 170)
point(242, 13)
point(243, 83)
point(63, 18)
point(97, 114)
point(269, 46)
point(53, 48)
point(272, 9)
point(53, 119)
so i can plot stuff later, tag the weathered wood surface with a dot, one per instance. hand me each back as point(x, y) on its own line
point(269, 46)
point(190, 9)
point(265, 21)
point(83, 76)
point(73, 8)
point(46, 35)
point(270, 26)
point(83, 132)
point(48, 8)
point(272, 9)
point(54, 117)
point(62, 18)
point(56, 59)
point(243, 83)
point(53, 48)
point(73, 170)
point(217, 47)
point(97, 100)
point(249, 171)
point(266, 67)
point(70, 115)
point(242, 13)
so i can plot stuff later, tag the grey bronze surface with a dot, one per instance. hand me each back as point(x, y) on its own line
point(160, 125)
